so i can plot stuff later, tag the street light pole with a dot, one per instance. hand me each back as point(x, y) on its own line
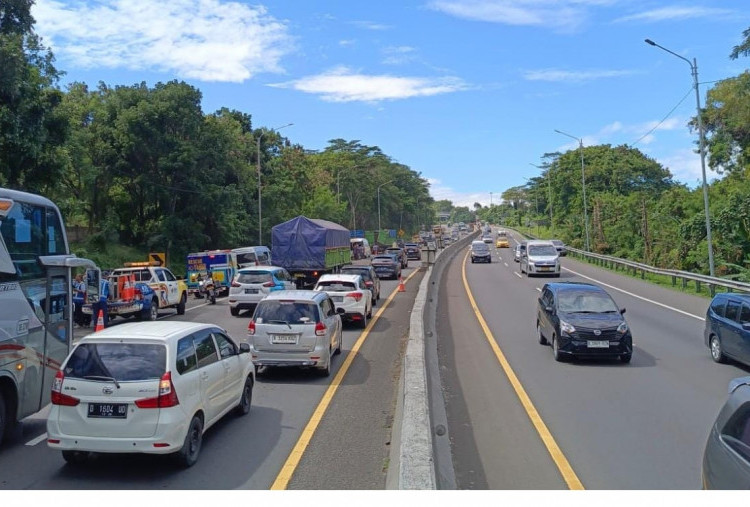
point(490, 200)
point(260, 206)
point(549, 190)
point(701, 145)
point(583, 186)
point(382, 184)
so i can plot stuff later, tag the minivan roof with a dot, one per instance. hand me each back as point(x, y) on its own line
point(158, 330)
point(341, 276)
point(297, 295)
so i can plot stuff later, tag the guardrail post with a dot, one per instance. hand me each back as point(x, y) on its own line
point(643, 274)
point(684, 283)
point(712, 289)
point(698, 286)
point(674, 280)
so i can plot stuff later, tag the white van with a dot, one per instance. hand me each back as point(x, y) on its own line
point(540, 257)
point(249, 256)
point(361, 242)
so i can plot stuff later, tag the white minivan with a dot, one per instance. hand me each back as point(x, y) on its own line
point(363, 244)
point(249, 256)
point(540, 258)
point(148, 387)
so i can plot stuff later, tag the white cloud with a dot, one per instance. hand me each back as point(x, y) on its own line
point(369, 25)
point(556, 75)
point(685, 166)
point(343, 85)
point(399, 55)
point(673, 13)
point(208, 40)
point(557, 14)
point(347, 42)
point(440, 192)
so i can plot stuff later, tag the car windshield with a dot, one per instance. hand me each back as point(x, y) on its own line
point(542, 250)
point(585, 302)
point(254, 277)
point(363, 272)
point(122, 362)
point(385, 258)
point(336, 286)
point(286, 312)
point(481, 247)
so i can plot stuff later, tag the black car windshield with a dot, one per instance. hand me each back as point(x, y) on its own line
point(591, 302)
point(290, 312)
point(122, 362)
point(542, 250)
point(381, 258)
point(363, 272)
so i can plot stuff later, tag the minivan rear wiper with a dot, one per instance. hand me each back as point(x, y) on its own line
point(102, 377)
point(280, 322)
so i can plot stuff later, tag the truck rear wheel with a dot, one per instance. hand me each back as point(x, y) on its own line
point(3, 412)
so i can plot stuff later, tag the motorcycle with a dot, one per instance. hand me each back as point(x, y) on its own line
point(208, 289)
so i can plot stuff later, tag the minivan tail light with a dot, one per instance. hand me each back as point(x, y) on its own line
point(251, 328)
point(369, 283)
point(355, 295)
point(269, 284)
point(57, 397)
point(166, 398)
point(235, 284)
point(320, 329)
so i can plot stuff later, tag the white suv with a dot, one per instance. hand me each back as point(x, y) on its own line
point(350, 293)
point(540, 257)
point(151, 387)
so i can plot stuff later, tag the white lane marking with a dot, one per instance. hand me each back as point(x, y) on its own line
point(40, 438)
point(537, 288)
point(506, 264)
point(186, 310)
point(517, 274)
point(637, 296)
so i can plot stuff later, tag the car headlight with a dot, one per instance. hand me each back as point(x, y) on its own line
point(623, 328)
point(566, 328)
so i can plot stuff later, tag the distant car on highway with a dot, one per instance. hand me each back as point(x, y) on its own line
point(560, 246)
point(581, 319)
point(401, 253)
point(149, 387)
point(502, 242)
point(480, 252)
point(539, 258)
point(368, 274)
point(250, 285)
point(487, 238)
point(349, 292)
point(413, 252)
point(727, 332)
point(726, 458)
point(517, 251)
point(386, 266)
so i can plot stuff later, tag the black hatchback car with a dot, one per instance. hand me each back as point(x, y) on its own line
point(368, 274)
point(581, 319)
point(413, 252)
point(727, 333)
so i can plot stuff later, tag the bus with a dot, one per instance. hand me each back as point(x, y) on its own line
point(36, 324)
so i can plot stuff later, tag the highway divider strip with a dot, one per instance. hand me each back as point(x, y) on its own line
point(569, 476)
point(289, 467)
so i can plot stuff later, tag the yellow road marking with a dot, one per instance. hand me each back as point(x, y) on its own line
point(290, 466)
point(570, 477)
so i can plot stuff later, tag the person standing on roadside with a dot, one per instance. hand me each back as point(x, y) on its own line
point(101, 303)
point(79, 298)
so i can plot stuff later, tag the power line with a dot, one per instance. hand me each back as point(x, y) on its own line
point(665, 118)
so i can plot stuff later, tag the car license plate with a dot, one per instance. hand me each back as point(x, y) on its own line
point(337, 299)
point(597, 344)
point(251, 291)
point(285, 339)
point(108, 410)
point(545, 269)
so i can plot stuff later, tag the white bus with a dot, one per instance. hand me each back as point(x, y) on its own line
point(36, 325)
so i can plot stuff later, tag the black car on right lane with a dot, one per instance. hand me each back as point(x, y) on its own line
point(581, 319)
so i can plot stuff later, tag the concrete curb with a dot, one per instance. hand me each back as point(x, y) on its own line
point(412, 461)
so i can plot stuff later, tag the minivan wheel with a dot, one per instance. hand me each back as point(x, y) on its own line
point(341, 339)
point(717, 354)
point(243, 408)
point(188, 455)
point(363, 322)
point(326, 372)
point(76, 458)
point(542, 339)
point(234, 311)
point(556, 349)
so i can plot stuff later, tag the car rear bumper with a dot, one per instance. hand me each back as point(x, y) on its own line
point(580, 348)
point(481, 258)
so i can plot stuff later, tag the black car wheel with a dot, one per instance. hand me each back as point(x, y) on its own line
point(243, 408)
point(191, 447)
point(717, 353)
point(556, 349)
point(542, 339)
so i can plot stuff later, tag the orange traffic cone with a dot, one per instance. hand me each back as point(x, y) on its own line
point(99, 322)
point(401, 287)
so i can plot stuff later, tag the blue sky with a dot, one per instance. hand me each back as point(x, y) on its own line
point(467, 92)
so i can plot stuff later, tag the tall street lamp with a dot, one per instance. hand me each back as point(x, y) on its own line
point(338, 181)
point(701, 145)
point(549, 189)
point(490, 200)
point(583, 185)
point(260, 206)
point(379, 186)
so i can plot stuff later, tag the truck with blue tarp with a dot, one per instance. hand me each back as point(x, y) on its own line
point(308, 248)
point(221, 263)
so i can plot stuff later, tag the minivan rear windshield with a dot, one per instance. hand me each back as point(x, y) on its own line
point(290, 312)
point(336, 286)
point(256, 277)
point(122, 361)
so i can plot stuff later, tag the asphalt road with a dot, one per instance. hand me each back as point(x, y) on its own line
point(348, 451)
point(638, 426)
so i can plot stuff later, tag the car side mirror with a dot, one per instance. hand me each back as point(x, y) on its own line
point(244, 348)
point(746, 326)
point(340, 311)
point(622, 311)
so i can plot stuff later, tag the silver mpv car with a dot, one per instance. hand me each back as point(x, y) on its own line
point(295, 328)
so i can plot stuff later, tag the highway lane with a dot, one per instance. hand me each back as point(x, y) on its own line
point(248, 453)
point(637, 426)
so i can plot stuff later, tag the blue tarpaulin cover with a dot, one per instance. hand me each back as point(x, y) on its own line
point(301, 242)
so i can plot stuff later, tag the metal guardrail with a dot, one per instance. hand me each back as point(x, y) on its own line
point(635, 267)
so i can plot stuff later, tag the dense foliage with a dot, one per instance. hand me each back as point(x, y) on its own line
point(146, 167)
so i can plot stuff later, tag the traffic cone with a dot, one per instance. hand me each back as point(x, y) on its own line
point(99, 322)
point(401, 287)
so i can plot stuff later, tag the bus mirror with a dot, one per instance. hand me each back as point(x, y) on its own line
point(93, 277)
